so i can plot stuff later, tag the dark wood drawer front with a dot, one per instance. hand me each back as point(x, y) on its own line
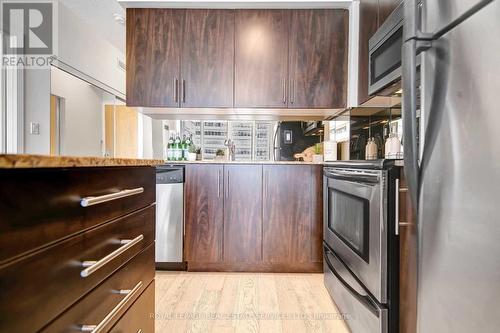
point(40, 206)
point(140, 317)
point(44, 284)
point(93, 308)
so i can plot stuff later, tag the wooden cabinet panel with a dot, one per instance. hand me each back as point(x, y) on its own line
point(289, 216)
point(243, 213)
point(203, 197)
point(261, 58)
point(318, 58)
point(153, 56)
point(368, 18)
point(408, 261)
point(385, 8)
point(207, 58)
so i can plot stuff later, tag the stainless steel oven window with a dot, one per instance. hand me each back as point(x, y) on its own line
point(349, 219)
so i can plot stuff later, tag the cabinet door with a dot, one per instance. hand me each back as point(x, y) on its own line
point(385, 8)
point(261, 56)
point(153, 56)
point(208, 58)
point(243, 213)
point(368, 18)
point(290, 214)
point(203, 193)
point(318, 58)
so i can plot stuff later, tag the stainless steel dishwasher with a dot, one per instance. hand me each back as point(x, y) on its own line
point(169, 217)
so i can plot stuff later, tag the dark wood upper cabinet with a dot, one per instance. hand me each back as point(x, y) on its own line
point(218, 58)
point(385, 8)
point(204, 212)
point(318, 58)
point(261, 58)
point(207, 58)
point(368, 24)
point(243, 213)
point(153, 56)
point(292, 223)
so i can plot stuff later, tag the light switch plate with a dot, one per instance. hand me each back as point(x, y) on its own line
point(34, 128)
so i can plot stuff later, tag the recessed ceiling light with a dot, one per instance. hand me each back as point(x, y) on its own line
point(119, 18)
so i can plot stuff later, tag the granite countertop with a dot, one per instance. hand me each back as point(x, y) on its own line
point(45, 161)
point(241, 162)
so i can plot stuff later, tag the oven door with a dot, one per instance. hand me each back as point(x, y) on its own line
point(355, 226)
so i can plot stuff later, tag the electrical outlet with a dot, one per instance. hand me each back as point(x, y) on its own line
point(34, 128)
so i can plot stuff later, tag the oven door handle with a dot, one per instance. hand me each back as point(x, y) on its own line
point(358, 177)
point(365, 299)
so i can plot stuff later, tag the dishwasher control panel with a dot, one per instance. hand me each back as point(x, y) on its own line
point(170, 175)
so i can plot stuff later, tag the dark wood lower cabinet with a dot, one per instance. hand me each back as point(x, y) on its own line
point(243, 213)
point(290, 214)
point(204, 212)
point(61, 261)
point(263, 218)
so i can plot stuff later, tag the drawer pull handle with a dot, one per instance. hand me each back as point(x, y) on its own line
point(109, 317)
point(92, 266)
point(90, 201)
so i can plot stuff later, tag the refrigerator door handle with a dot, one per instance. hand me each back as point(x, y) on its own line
point(409, 85)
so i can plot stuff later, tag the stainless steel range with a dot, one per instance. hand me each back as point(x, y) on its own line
point(361, 245)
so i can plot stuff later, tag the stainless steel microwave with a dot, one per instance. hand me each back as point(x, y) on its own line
point(384, 70)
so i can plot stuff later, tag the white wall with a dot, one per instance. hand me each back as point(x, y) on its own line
point(37, 110)
point(81, 115)
point(81, 48)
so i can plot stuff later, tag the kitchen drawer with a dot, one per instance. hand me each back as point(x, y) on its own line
point(42, 206)
point(104, 301)
point(39, 287)
point(140, 317)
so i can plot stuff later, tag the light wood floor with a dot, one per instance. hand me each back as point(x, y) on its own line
point(244, 302)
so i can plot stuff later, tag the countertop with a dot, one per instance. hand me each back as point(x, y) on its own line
point(45, 161)
point(13, 161)
point(240, 162)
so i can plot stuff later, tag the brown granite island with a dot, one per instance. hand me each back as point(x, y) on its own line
point(72, 231)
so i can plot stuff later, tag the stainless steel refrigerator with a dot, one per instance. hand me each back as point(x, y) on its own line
point(454, 171)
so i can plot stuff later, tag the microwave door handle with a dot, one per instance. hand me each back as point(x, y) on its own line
point(365, 299)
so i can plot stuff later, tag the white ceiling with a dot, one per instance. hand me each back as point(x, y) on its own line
point(98, 14)
point(236, 4)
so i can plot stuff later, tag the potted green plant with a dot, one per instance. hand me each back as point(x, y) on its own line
point(220, 154)
point(192, 153)
point(318, 153)
point(198, 154)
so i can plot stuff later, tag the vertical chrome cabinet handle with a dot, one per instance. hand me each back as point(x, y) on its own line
point(218, 183)
point(396, 218)
point(114, 312)
point(183, 91)
point(292, 91)
point(90, 201)
point(227, 185)
point(284, 90)
point(176, 90)
point(93, 266)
